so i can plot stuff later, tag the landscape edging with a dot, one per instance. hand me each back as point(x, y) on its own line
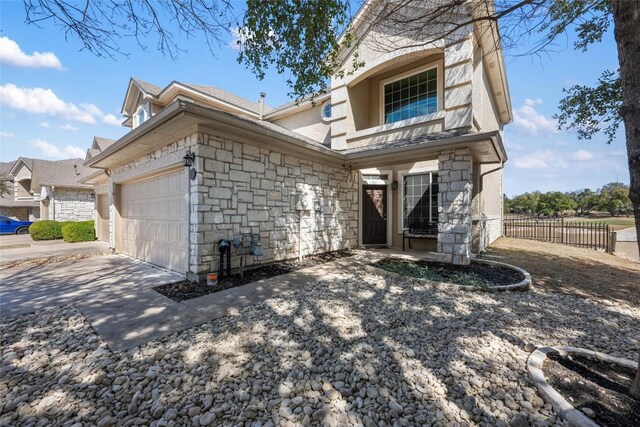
point(524, 285)
point(567, 411)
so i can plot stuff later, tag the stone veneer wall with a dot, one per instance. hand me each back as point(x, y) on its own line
point(22, 213)
point(244, 188)
point(71, 205)
point(454, 224)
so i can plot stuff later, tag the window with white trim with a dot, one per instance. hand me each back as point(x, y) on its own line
point(326, 110)
point(412, 96)
point(420, 198)
point(141, 116)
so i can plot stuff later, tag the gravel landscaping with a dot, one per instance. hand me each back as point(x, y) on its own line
point(364, 350)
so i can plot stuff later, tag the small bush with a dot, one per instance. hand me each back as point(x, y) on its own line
point(82, 231)
point(45, 230)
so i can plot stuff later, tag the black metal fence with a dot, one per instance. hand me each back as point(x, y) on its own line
point(592, 235)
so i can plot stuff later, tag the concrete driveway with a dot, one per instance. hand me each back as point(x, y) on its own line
point(21, 248)
point(112, 291)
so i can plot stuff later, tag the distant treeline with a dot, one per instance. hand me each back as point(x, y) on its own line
point(612, 198)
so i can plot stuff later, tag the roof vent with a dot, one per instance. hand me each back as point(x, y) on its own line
point(262, 97)
point(76, 169)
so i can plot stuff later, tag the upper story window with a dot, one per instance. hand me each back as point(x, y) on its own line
point(326, 110)
point(410, 96)
point(141, 116)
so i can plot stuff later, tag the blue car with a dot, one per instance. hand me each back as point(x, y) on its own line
point(12, 226)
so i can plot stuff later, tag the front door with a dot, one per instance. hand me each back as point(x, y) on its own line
point(374, 215)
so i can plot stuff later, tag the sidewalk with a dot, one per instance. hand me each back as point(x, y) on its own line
point(21, 248)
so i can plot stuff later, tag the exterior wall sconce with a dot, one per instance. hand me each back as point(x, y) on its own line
point(93, 195)
point(189, 158)
point(394, 185)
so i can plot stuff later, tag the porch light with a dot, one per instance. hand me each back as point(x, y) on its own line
point(189, 158)
point(93, 195)
point(394, 185)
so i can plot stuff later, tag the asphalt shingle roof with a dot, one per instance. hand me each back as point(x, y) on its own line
point(151, 89)
point(229, 97)
point(61, 173)
point(406, 142)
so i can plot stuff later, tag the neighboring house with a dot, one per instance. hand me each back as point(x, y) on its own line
point(413, 136)
point(18, 208)
point(54, 187)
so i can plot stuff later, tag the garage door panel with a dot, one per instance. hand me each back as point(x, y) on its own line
point(153, 220)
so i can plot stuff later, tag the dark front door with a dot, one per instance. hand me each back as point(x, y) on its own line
point(374, 215)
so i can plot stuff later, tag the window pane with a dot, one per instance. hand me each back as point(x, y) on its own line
point(420, 202)
point(411, 97)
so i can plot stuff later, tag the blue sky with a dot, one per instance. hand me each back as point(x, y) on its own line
point(54, 101)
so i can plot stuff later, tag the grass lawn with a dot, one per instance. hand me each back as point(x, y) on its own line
point(577, 271)
point(617, 222)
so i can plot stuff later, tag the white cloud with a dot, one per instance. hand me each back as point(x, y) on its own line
point(528, 120)
point(49, 150)
point(582, 155)
point(44, 101)
point(6, 135)
point(69, 127)
point(45, 125)
point(542, 159)
point(11, 54)
point(112, 120)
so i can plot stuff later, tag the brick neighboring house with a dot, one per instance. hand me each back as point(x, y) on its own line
point(23, 210)
point(53, 187)
point(414, 135)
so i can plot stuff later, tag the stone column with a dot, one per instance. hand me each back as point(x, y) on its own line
point(454, 223)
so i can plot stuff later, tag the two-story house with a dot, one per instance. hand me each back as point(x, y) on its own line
point(415, 135)
point(50, 189)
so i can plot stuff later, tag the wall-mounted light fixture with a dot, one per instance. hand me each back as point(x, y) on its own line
point(189, 158)
point(93, 195)
point(394, 185)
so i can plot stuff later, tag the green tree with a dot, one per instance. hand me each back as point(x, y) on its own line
point(585, 200)
point(554, 203)
point(614, 198)
point(4, 184)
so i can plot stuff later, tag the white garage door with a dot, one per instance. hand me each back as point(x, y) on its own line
point(153, 218)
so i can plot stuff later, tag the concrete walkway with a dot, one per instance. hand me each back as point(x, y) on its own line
point(627, 244)
point(21, 248)
point(115, 294)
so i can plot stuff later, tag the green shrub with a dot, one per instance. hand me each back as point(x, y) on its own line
point(82, 231)
point(45, 230)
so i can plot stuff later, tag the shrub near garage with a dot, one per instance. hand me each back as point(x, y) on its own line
point(45, 230)
point(82, 231)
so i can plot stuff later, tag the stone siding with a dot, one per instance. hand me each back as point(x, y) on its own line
point(454, 224)
point(243, 188)
point(21, 213)
point(71, 205)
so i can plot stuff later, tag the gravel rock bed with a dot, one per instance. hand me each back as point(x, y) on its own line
point(365, 350)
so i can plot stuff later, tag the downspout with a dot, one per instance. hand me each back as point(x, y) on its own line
point(52, 204)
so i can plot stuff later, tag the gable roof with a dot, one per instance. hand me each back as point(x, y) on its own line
point(167, 94)
point(99, 144)
point(60, 173)
point(149, 88)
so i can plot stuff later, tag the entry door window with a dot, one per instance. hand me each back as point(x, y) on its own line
point(420, 198)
